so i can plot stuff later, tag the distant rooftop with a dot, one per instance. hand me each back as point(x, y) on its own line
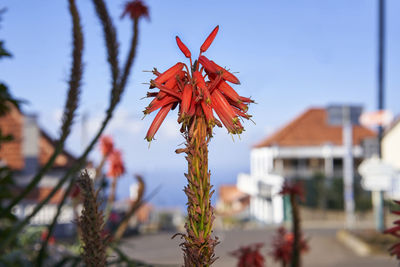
point(311, 128)
point(230, 193)
point(12, 152)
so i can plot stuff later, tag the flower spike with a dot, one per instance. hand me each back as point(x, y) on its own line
point(198, 92)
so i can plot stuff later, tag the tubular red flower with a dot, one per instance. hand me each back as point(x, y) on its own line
point(116, 165)
point(222, 103)
point(199, 81)
point(166, 90)
point(214, 82)
point(155, 125)
point(243, 107)
point(186, 99)
point(242, 114)
point(214, 68)
point(106, 145)
point(170, 84)
point(228, 91)
point(183, 47)
point(209, 40)
point(192, 108)
point(224, 116)
point(207, 110)
point(169, 73)
point(246, 99)
point(208, 66)
point(156, 104)
point(226, 75)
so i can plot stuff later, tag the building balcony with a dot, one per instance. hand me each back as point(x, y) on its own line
point(307, 172)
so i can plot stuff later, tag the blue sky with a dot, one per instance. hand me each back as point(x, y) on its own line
point(290, 55)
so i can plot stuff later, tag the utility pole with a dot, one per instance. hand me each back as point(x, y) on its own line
point(377, 196)
point(346, 116)
point(348, 167)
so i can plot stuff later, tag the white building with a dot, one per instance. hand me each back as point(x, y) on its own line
point(306, 146)
point(391, 155)
point(29, 150)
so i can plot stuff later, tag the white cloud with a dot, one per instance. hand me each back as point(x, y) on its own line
point(170, 129)
point(123, 121)
point(57, 115)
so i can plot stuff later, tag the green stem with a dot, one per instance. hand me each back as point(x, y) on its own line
point(296, 260)
point(111, 199)
point(199, 244)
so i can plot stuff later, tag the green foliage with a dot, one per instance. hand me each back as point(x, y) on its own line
point(6, 182)
point(6, 99)
point(322, 193)
point(3, 51)
point(23, 249)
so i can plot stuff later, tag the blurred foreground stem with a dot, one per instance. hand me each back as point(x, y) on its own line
point(296, 261)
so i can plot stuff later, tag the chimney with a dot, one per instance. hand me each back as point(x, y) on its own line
point(31, 144)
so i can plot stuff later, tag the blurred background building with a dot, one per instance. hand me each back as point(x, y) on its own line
point(306, 147)
point(29, 149)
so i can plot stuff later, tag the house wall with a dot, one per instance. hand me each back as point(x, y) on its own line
point(391, 147)
point(261, 160)
point(10, 152)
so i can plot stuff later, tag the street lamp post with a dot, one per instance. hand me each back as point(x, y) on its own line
point(377, 196)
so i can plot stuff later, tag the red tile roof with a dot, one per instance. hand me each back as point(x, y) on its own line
point(40, 193)
point(312, 129)
point(230, 193)
point(46, 149)
point(12, 152)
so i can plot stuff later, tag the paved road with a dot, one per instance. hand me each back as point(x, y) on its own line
point(325, 249)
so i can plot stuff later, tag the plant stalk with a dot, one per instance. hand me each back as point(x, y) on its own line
point(296, 260)
point(199, 244)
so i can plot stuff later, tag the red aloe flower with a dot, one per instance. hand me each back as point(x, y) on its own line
point(395, 231)
point(44, 235)
point(116, 165)
point(283, 246)
point(76, 191)
point(136, 9)
point(295, 189)
point(106, 145)
point(199, 90)
point(249, 256)
point(209, 40)
point(183, 47)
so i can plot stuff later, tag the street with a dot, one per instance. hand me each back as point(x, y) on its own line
point(325, 250)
